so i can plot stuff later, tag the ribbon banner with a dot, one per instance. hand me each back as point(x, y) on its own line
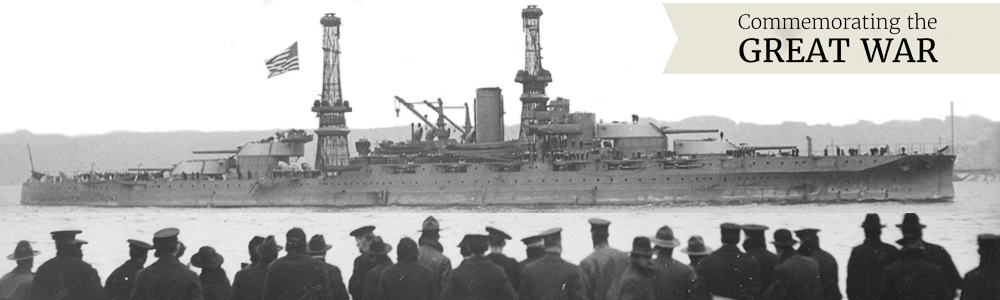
point(835, 38)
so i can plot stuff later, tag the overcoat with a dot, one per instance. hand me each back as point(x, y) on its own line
point(603, 268)
point(676, 280)
point(913, 278)
point(119, 283)
point(356, 285)
point(730, 273)
point(982, 283)
point(478, 278)
point(297, 276)
point(167, 279)
point(374, 277)
point(249, 282)
point(336, 282)
point(66, 277)
point(939, 256)
point(795, 278)
point(864, 268)
point(510, 266)
point(767, 261)
point(214, 284)
point(409, 280)
point(828, 273)
point(429, 256)
point(636, 283)
point(16, 285)
point(552, 278)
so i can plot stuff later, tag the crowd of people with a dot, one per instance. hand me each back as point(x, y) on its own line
point(799, 270)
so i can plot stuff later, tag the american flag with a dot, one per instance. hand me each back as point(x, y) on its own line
point(285, 61)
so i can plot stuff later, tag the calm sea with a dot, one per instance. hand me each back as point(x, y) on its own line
point(953, 225)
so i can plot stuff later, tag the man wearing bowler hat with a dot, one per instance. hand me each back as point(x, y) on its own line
point(864, 269)
point(983, 283)
point(477, 277)
point(696, 250)
point(935, 254)
point(380, 250)
point(66, 276)
point(498, 239)
point(795, 276)
point(639, 281)
point(431, 252)
point(755, 245)
point(214, 282)
point(605, 265)
point(318, 248)
point(676, 280)
point(120, 282)
point(913, 277)
point(16, 285)
point(249, 282)
point(364, 262)
point(728, 272)
point(551, 277)
point(534, 248)
point(166, 278)
point(297, 275)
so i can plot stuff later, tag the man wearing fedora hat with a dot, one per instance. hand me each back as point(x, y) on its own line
point(795, 276)
point(983, 283)
point(913, 277)
point(696, 250)
point(828, 270)
point(252, 249)
point(728, 272)
point(677, 280)
point(498, 239)
point(166, 278)
point(408, 280)
point(214, 282)
point(640, 279)
point(120, 282)
point(430, 253)
point(935, 254)
point(249, 282)
point(864, 268)
point(297, 275)
point(318, 248)
point(66, 276)
point(603, 267)
point(380, 251)
point(477, 277)
point(356, 284)
point(551, 277)
point(17, 284)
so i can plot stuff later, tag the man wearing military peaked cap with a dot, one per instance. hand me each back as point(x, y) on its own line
point(755, 245)
point(828, 270)
point(935, 254)
point(430, 253)
point(605, 265)
point(795, 276)
point(534, 249)
point(120, 282)
point(297, 275)
point(477, 277)
point(981, 282)
point(66, 276)
point(498, 239)
point(363, 236)
point(551, 277)
point(912, 277)
point(167, 277)
point(728, 272)
point(868, 260)
point(17, 283)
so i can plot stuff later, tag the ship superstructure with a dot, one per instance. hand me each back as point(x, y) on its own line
point(559, 157)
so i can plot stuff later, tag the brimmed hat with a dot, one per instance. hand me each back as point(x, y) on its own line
point(665, 238)
point(552, 237)
point(363, 231)
point(599, 225)
point(378, 247)
point(317, 244)
point(23, 251)
point(754, 230)
point(254, 242)
point(166, 238)
point(532, 241)
point(497, 233)
point(640, 246)
point(137, 244)
point(872, 221)
point(67, 237)
point(806, 233)
point(911, 221)
point(206, 258)
point(783, 237)
point(269, 247)
point(911, 242)
point(986, 240)
point(430, 224)
point(696, 246)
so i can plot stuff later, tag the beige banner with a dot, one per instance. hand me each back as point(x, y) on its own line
point(712, 37)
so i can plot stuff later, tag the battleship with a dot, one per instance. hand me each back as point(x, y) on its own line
point(558, 157)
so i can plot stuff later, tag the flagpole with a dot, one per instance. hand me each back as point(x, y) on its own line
point(953, 127)
point(31, 159)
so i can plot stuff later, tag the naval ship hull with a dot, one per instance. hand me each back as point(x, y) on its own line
point(721, 180)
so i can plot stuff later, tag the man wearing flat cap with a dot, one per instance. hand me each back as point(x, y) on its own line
point(934, 254)
point(363, 263)
point(318, 248)
point(431, 253)
point(120, 282)
point(16, 285)
point(755, 245)
point(728, 272)
point(864, 269)
point(828, 269)
point(166, 278)
point(297, 275)
point(498, 239)
point(913, 277)
point(605, 265)
point(983, 283)
point(551, 277)
point(477, 277)
point(249, 282)
point(534, 248)
point(795, 276)
point(380, 250)
point(676, 280)
point(66, 276)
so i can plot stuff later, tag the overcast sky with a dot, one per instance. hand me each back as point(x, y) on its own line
point(90, 67)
